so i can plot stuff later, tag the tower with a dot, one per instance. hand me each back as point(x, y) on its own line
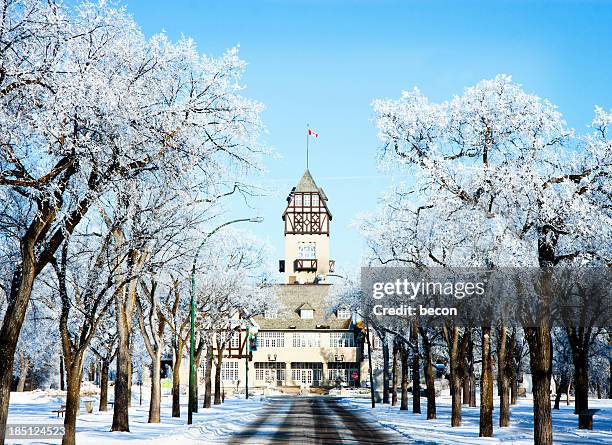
point(307, 220)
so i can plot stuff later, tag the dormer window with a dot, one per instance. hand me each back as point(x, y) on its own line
point(306, 314)
point(343, 313)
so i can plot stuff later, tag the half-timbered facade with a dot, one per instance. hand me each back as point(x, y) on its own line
point(306, 228)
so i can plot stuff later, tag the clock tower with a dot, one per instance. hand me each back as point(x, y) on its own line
point(307, 220)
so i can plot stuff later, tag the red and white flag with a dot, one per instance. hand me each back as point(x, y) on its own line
point(312, 133)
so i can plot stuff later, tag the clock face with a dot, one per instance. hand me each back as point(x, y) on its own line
point(306, 214)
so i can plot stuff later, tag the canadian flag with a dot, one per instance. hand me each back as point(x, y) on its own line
point(312, 133)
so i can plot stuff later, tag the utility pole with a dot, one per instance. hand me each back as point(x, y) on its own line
point(370, 367)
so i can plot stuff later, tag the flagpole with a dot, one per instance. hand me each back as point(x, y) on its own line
point(307, 137)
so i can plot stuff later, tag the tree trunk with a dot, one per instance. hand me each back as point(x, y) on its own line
point(540, 341)
point(197, 357)
point(455, 390)
point(511, 369)
point(21, 289)
point(473, 391)
point(558, 391)
point(122, 389)
point(430, 376)
point(503, 377)
point(218, 365)
point(74, 376)
point(540, 357)
point(176, 383)
point(130, 380)
point(104, 386)
point(394, 376)
point(486, 386)
point(457, 344)
point(24, 364)
point(61, 372)
point(155, 402)
point(598, 387)
point(581, 382)
point(416, 371)
point(385, 351)
point(404, 396)
point(469, 371)
point(504, 402)
point(610, 373)
point(465, 392)
point(208, 377)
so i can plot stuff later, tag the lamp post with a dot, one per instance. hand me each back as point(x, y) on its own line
point(192, 376)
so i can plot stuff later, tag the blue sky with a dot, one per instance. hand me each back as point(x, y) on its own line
point(323, 62)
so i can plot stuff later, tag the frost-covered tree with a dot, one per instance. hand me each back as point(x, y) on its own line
point(88, 102)
point(38, 346)
point(104, 346)
point(499, 181)
point(232, 287)
point(85, 282)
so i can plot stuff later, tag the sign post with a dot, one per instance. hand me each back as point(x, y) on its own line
point(247, 342)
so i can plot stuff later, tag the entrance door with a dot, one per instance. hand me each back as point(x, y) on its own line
point(307, 376)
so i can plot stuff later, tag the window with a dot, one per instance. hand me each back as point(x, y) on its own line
point(315, 200)
point(235, 340)
point(271, 340)
point(307, 251)
point(307, 372)
point(341, 340)
point(306, 313)
point(342, 371)
point(271, 314)
point(306, 200)
point(343, 314)
point(268, 372)
point(229, 371)
point(298, 199)
point(306, 340)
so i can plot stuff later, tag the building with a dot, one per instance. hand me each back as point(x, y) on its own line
point(302, 344)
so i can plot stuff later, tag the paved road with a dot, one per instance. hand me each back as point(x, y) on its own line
point(314, 420)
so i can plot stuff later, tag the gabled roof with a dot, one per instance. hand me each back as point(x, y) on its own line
point(302, 296)
point(306, 306)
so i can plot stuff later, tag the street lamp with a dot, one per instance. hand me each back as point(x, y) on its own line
point(192, 377)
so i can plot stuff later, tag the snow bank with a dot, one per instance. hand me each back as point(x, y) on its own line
point(211, 426)
point(417, 427)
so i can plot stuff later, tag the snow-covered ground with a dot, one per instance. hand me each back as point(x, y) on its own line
point(216, 425)
point(439, 431)
point(210, 426)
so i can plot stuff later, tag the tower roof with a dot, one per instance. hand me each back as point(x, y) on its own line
point(307, 184)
